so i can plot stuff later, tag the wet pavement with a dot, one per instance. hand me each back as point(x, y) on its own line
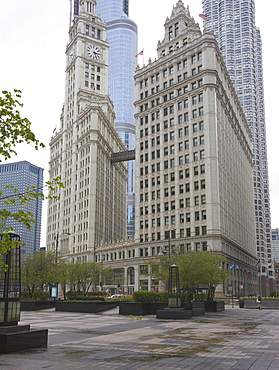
point(233, 339)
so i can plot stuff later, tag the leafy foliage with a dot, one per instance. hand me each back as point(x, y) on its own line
point(147, 296)
point(196, 269)
point(38, 295)
point(13, 128)
point(39, 270)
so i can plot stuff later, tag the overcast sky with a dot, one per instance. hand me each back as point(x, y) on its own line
point(33, 37)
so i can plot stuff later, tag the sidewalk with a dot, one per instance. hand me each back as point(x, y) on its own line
point(233, 339)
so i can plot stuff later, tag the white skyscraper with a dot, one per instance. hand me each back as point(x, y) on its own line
point(233, 23)
point(92, 206)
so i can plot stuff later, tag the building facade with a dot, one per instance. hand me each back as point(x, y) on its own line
point(92, 206)
point(23, 175)
point(275, 244)
point(233, 23)
point(122, 37)
point(194, 185)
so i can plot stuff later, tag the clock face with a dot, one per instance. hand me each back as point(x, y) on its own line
point(71, 55)
point(93, 52)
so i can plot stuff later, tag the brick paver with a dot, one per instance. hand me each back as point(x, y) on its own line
point(233, 339)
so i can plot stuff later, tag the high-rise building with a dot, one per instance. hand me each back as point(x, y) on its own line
point(233, 23)
point(275, 244)
point(122, 37)
point(193, 145)
point(194, 183)
point(23, 175)
point(92, 206)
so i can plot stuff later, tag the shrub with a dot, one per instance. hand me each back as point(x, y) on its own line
point(89, 299)
point(25, 295)
point(147, 296)
point(162, 297)
point(39, 295)
point(200, 297)
point(73, 294)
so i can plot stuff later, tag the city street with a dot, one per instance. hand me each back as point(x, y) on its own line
point(233, 339)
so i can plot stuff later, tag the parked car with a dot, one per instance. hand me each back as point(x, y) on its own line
point(117, 296)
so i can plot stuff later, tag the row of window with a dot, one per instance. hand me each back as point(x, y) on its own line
point(170, 70)
point(180, 105)
point(93, 32)
point(183, 159)
point(197, 170)
point(198, 230)
point(183, 203)
point(171, 150)
point(183, 90)
point(197, 185)
point(171, 220)
point(170, 123)
point(92, 86)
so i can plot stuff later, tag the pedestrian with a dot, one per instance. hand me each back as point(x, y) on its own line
point(259, 301)
point(156, 289)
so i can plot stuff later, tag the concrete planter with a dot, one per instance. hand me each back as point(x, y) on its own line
point(214, 306)
point(269, 304)
point(198, 308)
point(88, 307)
point(173, 314)
point(36, 305)
point(140, 308)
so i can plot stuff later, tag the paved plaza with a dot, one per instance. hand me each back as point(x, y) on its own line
point(233, 339)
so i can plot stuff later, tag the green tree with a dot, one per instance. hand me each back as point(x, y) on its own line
point(15, 130)
point(83, 276)
point(39, 270)
point(159, 268)
point(201, 269)
point(196, 269)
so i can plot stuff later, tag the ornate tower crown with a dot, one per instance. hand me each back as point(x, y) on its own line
point(180, 29)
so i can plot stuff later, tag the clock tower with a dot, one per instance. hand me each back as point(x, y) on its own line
point(87, 57)
point(91, 210)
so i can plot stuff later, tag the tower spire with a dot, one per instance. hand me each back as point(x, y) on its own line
point(71, 7)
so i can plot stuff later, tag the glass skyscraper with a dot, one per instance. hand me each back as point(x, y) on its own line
point(233, 23)
point(122, 37)
point(22, 175)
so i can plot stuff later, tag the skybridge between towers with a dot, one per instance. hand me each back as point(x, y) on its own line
point(129, 155)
